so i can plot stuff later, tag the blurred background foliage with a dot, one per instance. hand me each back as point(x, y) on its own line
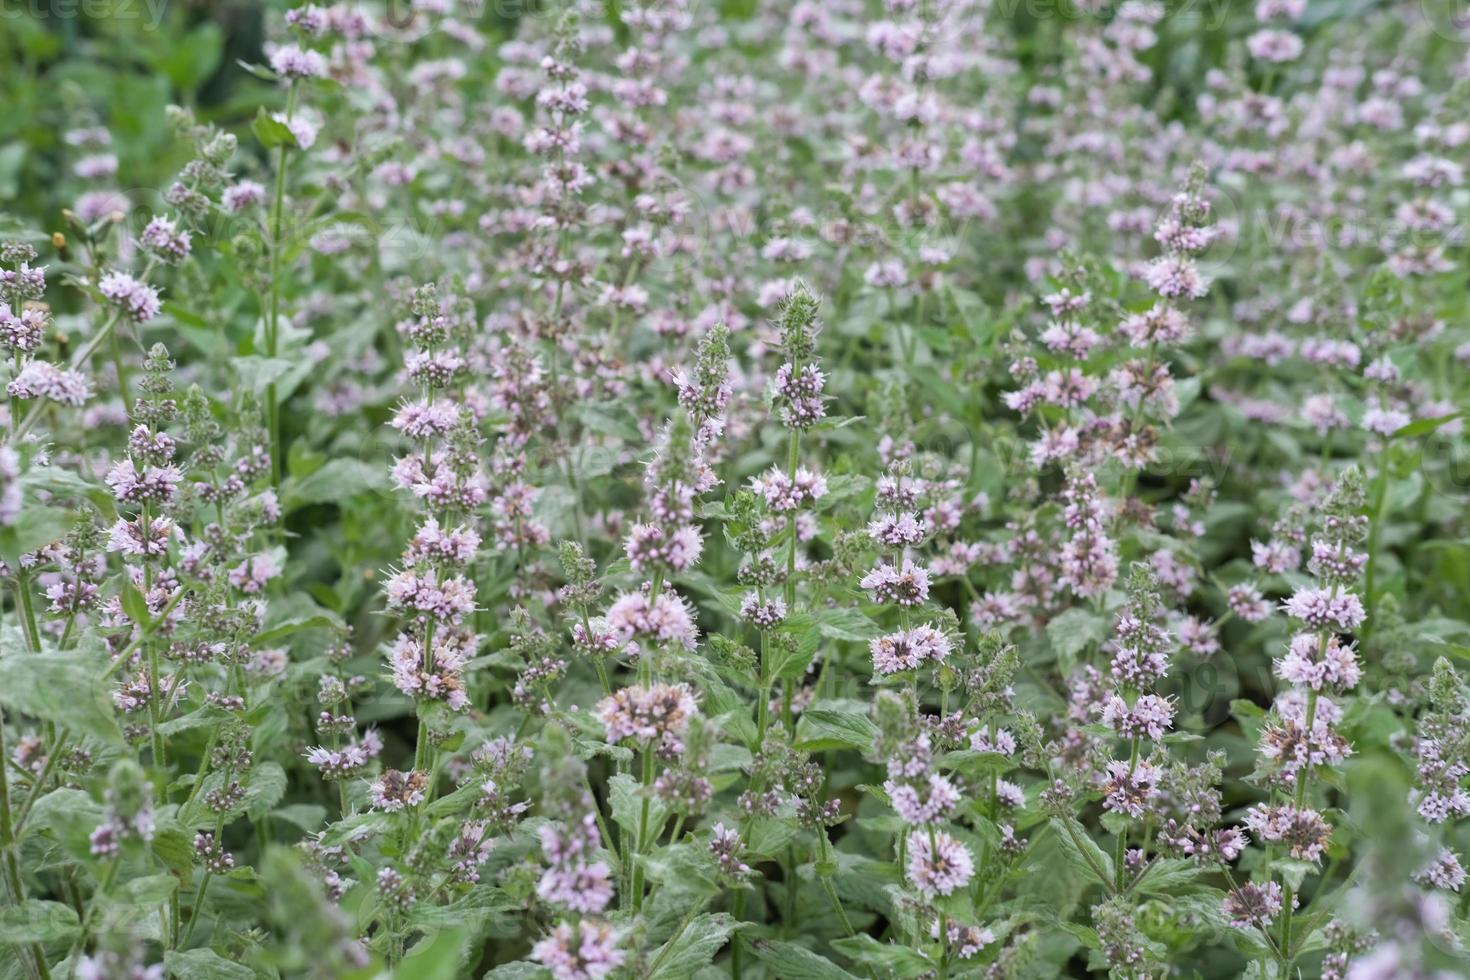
point(119, 63)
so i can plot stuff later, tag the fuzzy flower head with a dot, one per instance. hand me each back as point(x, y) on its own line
point(662, 619)
point(1253, 904)
point(586, 950)
point(651, 546)
point(136, 300)
point(163, 239)
point(1311, 662)
point(42, 379)
point(1304, 832)
point(1320, 609)
point(1129, 789)
point(292, 61)
point(940, 868)
point(928, 802)
point(393, 791)
point(1176, 277)
point(909, 649)
point(906, 583)
point(784, 494)
point(658, 714)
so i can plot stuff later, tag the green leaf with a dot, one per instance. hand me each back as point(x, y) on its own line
point(36, 527)
point(845, 623)
point(258, 373)
point(683, 870)
point(1423, 427)
point(271, 132)
point(203, 717)
point(437, 957)
point(792, 962)
point(190, 62)
point(626, 797)
point(266, 787)
point(334, 483)
point(70, 815)
point(307, 817)
point(294, 614)
point(175, 848)
point(1167, 876)
point(62, 688)
point(519, 970)
point(828, 728)
point(769, 836)
point(693, 948)
point(204, 964)
point(37, 922)
point(900, 962)
point(12, 159)
point(482, 904)
point(147, 890)
point(1074, 631)
point(974, 763)
point(1082, 851)
point(135, 605)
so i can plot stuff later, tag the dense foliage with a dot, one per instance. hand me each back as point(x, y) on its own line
point(794, 490)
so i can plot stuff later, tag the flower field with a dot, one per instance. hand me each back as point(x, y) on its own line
point(753, 489)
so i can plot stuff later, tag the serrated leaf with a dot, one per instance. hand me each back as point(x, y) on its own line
point(307, 817)
point(1074, 631)
point(792, 962)
point(830, 728)
point(769, 836)
point(38, 922)
point(480, 904)
point(135, 605)
point(270, 131)
point(1424, 427)
point(258, 373)
point(204, 964)
point(900, 962)
point(335, 482)
point(147, 890)
point(62, 688)
point(519, 970)
point(35, 527)
point(1082, 851)
point(175, 848)
point(439, 956)
point(1168, 875)
point(70, 815)
point(683, 869)
point(625, 795)
point(693, 948)
point(264, 790)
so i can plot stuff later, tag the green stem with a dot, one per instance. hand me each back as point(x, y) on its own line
point(122, 377)
point(824, 849)
point(57, 745)
point(642, 828)
point(15, 886)
point(793, 455)
point(737, 964)
point(273, 320)
point(1370, 573)
point(27, 610)
point(143, 636)
point(198, 908)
